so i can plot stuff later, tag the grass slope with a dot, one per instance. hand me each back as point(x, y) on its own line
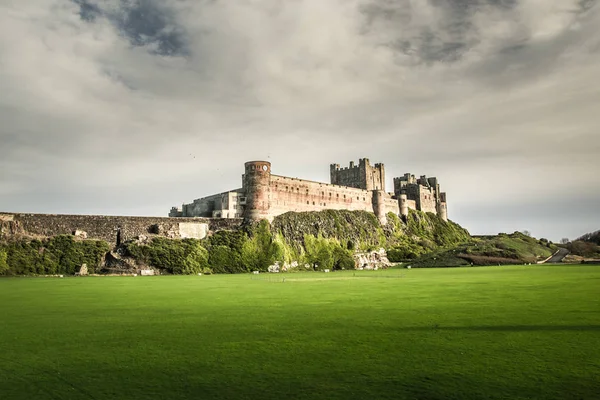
point(473, 333)
point(491, 250)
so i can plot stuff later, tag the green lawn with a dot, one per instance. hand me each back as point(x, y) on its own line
point(522, 332)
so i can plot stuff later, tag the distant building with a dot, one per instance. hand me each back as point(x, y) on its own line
point(358, 187)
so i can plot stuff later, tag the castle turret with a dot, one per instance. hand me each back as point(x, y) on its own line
point(379, 206)
point(442, 208)
point(256, 180)
point(404, 205)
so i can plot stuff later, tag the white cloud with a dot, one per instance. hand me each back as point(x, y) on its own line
point(496, 99)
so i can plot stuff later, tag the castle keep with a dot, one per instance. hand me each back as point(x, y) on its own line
point(264, 195)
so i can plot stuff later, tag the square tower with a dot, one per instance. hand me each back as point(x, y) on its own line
point(362, 176)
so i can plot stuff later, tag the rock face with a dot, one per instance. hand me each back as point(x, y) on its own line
point(80, 234)
point(372, 260)
point(83, 270)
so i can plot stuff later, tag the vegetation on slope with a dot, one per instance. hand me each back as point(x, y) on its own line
point(515, 248)
point(239, 251)
point(593, 237)
point(60, 254)
point(309, 240)
point(360, 230)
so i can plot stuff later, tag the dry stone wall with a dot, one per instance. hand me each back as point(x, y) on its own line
point(111, 228)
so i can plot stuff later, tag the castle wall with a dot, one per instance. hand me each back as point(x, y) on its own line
point(106, 227)
point(292, 194)
point(427, 201)
point(221, 205)
point(391, 204)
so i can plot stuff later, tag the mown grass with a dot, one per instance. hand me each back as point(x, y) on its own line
point(519, 332)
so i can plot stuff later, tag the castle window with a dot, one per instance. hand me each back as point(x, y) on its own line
point(337, 195)
point(308, 202)
point(313, 203)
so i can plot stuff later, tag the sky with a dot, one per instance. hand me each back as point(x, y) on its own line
point(129, 107)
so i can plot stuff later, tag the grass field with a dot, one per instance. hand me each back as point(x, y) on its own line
point(522, 332)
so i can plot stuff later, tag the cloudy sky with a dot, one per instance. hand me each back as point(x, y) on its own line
point(129, 107)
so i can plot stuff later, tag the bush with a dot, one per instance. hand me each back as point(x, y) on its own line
point(264, 249)
point(224, 259)
point(56, 255)
point(3, 263)
point(175, 256)
point(342, 259)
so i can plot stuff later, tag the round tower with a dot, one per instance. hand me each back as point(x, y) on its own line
point(256, 181)
point(442, 208)
point(443, 211)
point(379, 206)
point(404, 206)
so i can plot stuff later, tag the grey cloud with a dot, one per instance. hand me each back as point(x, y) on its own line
point(148, 23)
point(134, 106)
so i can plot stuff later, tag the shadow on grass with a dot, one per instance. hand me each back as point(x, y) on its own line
point(506, 328)
point(448, 386)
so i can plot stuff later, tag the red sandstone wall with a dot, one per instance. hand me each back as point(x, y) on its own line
point(291, 194)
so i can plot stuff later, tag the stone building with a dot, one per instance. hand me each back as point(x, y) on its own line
point(358, 187)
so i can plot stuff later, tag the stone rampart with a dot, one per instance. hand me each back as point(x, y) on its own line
point(111, 228)
point(292, 194)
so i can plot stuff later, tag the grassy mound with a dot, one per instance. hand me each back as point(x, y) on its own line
point(503, 249)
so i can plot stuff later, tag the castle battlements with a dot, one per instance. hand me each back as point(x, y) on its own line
point(264, 195)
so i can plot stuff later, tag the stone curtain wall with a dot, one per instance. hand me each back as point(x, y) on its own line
point(292, 194)
point(106, 227)
point(391, 205)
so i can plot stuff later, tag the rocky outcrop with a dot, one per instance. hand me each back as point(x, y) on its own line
point(372, 260)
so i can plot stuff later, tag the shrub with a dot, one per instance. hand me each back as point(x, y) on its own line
point(224, 259)
point(3, 263)
point(56, 255)
point(175, 256)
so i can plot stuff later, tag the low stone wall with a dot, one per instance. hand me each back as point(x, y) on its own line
point(111, 228)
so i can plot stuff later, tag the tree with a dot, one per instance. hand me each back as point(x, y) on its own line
point(526, 233)
point(564, 240)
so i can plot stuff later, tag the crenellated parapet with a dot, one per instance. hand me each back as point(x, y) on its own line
point(358, 187)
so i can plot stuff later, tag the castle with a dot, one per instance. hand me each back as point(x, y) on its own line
point(264, 195)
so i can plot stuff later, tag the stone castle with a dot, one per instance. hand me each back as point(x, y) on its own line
point(264, 195)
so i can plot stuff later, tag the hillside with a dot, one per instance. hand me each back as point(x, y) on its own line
point(361, 230)
point(585, 247)
point(593, 237)
point(515, 248)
